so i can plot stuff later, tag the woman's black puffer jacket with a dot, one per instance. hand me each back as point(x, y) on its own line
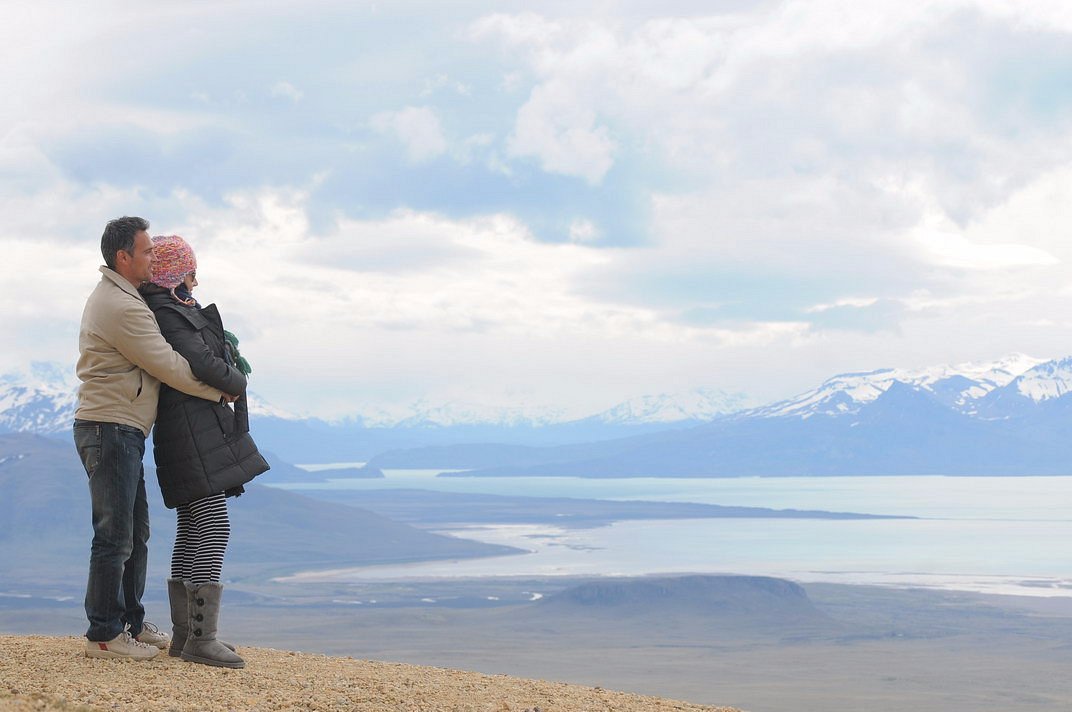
point(201, 448)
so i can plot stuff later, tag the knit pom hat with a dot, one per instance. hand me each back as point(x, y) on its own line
point(173, 259)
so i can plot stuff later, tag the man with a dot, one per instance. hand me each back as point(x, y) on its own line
point(122, 359)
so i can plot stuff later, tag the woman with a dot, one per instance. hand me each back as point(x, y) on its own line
point(203, 452)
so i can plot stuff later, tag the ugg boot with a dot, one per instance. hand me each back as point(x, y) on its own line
point(201, 644)
point(180, 612)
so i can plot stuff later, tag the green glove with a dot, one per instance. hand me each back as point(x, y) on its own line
point(240, 362)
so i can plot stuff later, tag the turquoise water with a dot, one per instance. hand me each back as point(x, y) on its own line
point(994, 534)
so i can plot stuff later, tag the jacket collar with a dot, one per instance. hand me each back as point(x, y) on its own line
point(120, 281)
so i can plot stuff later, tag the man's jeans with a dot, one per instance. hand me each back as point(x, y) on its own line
point(112, 455)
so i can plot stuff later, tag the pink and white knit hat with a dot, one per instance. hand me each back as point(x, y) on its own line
point(173, 259)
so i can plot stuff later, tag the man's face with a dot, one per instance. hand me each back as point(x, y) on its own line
point(137, 265)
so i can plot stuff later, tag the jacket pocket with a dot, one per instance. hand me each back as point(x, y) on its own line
point(133, 384)
point(226, 418)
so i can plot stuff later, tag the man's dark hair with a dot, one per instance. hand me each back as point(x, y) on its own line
point(119, 235)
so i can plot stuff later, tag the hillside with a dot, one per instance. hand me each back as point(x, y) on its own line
point(43, 673)
point(737, 599)
point(275, 531)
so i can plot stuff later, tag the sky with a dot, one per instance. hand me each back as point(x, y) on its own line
point(551, 205)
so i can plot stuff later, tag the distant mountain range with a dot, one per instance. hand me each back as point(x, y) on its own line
point(41, 399)
point(1008, 416)
point(962, 387)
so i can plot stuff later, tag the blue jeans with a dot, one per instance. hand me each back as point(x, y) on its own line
point(112, 455)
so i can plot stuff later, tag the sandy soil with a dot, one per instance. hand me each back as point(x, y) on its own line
point(47, 673)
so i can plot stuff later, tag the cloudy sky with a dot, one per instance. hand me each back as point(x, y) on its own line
point(498, 204)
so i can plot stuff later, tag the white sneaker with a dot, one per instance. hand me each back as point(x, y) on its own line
point(121, 646)
point(151, 635)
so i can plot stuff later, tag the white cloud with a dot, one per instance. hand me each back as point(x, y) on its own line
point(791, 166)
point(582, 230)
point(286, 90)
point(1038, 215)
point(443, 81)
point(793, 87)
point(559, 125)
point(417, 127)
point(415, 271)
point(798, 125)
point(556, 128)
point(1050, 15)
point(327, 315)
point(473, 148)
point(1032, 215)
point(946, 245)
point(855, 302)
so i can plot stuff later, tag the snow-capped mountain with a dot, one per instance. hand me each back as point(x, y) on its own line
point(696, 405)
point(1042, 387)
point(1010, 417)
point(699, 404)
point(1045, 381)
point(966, 405)
point(38, 399)
point(260, 408)
point(423, 413)
point(959, 386)
point(42, 399)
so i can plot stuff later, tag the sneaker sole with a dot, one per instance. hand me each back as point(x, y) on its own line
point(161, 645)
point(110, 655)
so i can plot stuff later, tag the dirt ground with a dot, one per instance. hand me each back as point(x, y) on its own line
point(51, 673)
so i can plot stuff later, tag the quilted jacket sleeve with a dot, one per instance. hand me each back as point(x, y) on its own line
point(206, 366)
point(135, 334)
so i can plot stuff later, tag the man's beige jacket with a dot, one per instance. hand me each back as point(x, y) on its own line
point(122, 358)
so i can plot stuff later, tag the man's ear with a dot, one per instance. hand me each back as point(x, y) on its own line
point(121, 257)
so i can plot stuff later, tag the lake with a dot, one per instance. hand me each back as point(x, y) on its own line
point(992, 534)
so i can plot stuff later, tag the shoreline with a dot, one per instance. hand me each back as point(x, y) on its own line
point(1001, 586)
point(415, 593)
point(562, 552)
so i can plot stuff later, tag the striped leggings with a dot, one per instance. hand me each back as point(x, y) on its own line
point(201, 540)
